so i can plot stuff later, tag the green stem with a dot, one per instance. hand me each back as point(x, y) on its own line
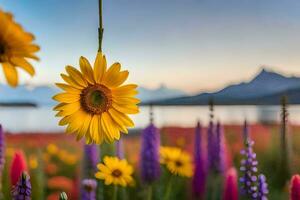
point(115, 193)
point(100, 29)
point(168, 189)
point(149, 192)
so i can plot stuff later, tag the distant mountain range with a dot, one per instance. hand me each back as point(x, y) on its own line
point(265, 89)
point(42, 95)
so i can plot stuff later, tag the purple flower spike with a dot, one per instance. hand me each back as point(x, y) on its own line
point(262, 188)
point(89, 189)
point(150, 168)
point(220, 154)
point(22, 190)
point(210, 145)
point(91, 156)
point(199, 173)
point(249, 171)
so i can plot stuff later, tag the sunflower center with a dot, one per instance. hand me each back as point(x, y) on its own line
point(96, 99)
point(178, 163)
point(116, 173)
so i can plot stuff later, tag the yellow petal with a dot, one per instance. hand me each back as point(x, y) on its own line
point(24, 64)
point(99, 67)
point(71, 81)
point(121, 118)
point(66, 97)
point(85, 127)
point(68, 88)
point(11, 74)
point(126, 100)
point(128, 109)
point(109, 126)
point(125, 91)
point(76, 76)
point(111, 74)
point(70, 108)
point(86, 70)
point(94, 129)
point(117, 79)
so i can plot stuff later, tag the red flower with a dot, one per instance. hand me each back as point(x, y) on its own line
point(295, 188)
point(18, 165)
point(231, 187)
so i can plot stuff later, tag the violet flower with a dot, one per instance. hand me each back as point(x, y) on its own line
point(22, 190)
point(199, 173)
point(262, 188)
point(249, 171)
point(91, 157)
point(220, 154)
point(89, 189)
point(211, 146)
point(149, 156)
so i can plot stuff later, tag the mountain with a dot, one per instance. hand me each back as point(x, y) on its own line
point(42, 95)
point(160, 93)
point(265, 88)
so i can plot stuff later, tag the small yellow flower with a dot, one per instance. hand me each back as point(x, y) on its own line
point(52, 149)
point(115, 171)
point(15, 48)
point(71, 159)
point(95, 104)
point(177, 161)
point(33, 162)
point(63, 155)
point(10, 151)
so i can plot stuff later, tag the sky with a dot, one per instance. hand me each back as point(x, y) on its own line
point(192, 45)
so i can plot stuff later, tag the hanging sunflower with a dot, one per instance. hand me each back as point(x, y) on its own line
point(115, 171)
point(15, 48)
point(95, 103)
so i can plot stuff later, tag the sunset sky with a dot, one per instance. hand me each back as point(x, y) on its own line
point(193, 45)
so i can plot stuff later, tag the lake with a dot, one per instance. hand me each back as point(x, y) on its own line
point(42, 118)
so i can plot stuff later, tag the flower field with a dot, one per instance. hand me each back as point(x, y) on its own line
point(55, 162)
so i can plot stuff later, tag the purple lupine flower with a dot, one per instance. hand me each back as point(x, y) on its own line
point(89, 189)
point(120, 149)
point(2, 149)
point(199, 173)
point(91, 156)
point(262, 188)
point(249, 171)
point(220, 154)
point(149, 156)
point(215, 152)
point(22, 190)
point(210, 145)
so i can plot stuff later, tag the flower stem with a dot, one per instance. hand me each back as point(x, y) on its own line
point(100, 29)
point(149, 192)
point(115, 193)
point(169, 188)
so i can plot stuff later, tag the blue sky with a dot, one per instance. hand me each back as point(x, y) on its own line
point(192, 45)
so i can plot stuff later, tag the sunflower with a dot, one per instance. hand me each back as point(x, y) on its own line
point(177, 161)
point(15, 47)
point(94, 103)
point(115, 171)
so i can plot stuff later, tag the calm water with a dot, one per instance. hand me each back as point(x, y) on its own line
point(42, 118)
